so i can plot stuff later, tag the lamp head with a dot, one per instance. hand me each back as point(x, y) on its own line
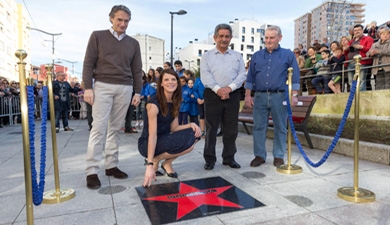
point(181, 12)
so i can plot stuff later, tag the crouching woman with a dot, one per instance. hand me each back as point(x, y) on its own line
point(162, 137)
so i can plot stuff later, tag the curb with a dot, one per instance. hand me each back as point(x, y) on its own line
point(373, 152)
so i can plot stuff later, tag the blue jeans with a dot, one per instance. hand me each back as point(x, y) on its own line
point(266, 103)
point(363, 75)
point(320, 83)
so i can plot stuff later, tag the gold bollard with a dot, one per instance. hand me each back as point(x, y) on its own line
point(21, 55)
point(356, 194)
point(289, 168)
point(58, 195)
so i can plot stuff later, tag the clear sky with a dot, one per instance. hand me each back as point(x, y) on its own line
point(76, 19)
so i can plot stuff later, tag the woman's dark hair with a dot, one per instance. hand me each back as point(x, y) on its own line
point(189, 72)
point(152, 78)
point(159, 69)
point(168, 64)
point(176, 97)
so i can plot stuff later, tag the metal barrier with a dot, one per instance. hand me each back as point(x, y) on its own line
point(344, 75)
point(10, 108)
point(78, 108)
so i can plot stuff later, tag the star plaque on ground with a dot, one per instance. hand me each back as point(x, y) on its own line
point(178, 201)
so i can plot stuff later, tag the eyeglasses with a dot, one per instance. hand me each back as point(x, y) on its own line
point(5, 83)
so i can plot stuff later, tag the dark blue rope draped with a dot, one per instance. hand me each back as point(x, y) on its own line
point(338, 132)
point(37, 188)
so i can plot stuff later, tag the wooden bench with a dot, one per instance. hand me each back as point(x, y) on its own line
point(300, 115)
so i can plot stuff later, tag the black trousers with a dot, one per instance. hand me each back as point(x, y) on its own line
point(89, 114)
point(226, 111)
point(129, 115)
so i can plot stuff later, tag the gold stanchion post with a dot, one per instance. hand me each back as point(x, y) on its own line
point(289, 168)
point(356, 194)
point(58, 195)
point(21, 55)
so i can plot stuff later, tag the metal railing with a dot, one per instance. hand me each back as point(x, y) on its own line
point(344, 73)
point(10, 108)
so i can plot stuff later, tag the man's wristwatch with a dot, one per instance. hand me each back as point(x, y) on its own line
point(148, 163)
point(295, 95)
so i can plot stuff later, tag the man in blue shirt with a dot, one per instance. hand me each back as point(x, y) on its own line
point(267, 76)
point(222, 72)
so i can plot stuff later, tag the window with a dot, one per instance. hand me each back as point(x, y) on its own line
point(250, 48)
point(242, 47)
point(200, 52)
point(243, 38)
point(232, 46)
point(150, 48)
point(252, 30)
point(243, 30)
point(252, 40)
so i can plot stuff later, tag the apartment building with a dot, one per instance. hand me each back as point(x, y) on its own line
point(248, 37)
point(152, 51)
point(12, 19)
point(331, 19)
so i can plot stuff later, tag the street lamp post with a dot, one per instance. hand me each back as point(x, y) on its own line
point(52, 35)
point(189, 63)
point(180, 12)
point(72, 62)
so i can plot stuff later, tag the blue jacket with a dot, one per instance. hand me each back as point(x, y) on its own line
point(193, 109)
point(148, 90)
point(186, 96)
point(198, 89)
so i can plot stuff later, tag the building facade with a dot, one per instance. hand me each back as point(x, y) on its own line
point(302, 27)
point(152, 51)
point(248, 37)
point(331, 19)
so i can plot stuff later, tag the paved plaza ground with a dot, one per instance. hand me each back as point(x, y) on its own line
point(306, 198)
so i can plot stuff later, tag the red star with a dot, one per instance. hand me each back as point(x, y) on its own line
point(190, 198)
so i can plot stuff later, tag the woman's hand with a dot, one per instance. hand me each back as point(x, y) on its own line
point(196, 129)
point(150, 175)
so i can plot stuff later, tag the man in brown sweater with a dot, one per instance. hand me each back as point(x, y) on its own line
point(113, 60)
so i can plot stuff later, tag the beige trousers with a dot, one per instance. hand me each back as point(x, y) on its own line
point(109, 109)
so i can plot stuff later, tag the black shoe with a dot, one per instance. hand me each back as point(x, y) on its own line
point(173, 175)
point(159, 174)
point(93, 181)
point(257, 161)
point(278, 162)
point(209, 166)
point(131, 131)
point(233, 164)
point(220, 134)
point(117, 173)
point(68, 129)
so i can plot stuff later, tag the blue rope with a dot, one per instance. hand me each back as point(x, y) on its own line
point(37, 188)
point(338, 132)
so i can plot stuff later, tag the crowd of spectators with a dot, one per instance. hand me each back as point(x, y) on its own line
point(9, 100)
point(370, 41)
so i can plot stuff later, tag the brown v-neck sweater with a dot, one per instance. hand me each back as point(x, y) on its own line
point(109, 60)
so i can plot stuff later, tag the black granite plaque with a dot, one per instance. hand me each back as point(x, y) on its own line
point(177, 201)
